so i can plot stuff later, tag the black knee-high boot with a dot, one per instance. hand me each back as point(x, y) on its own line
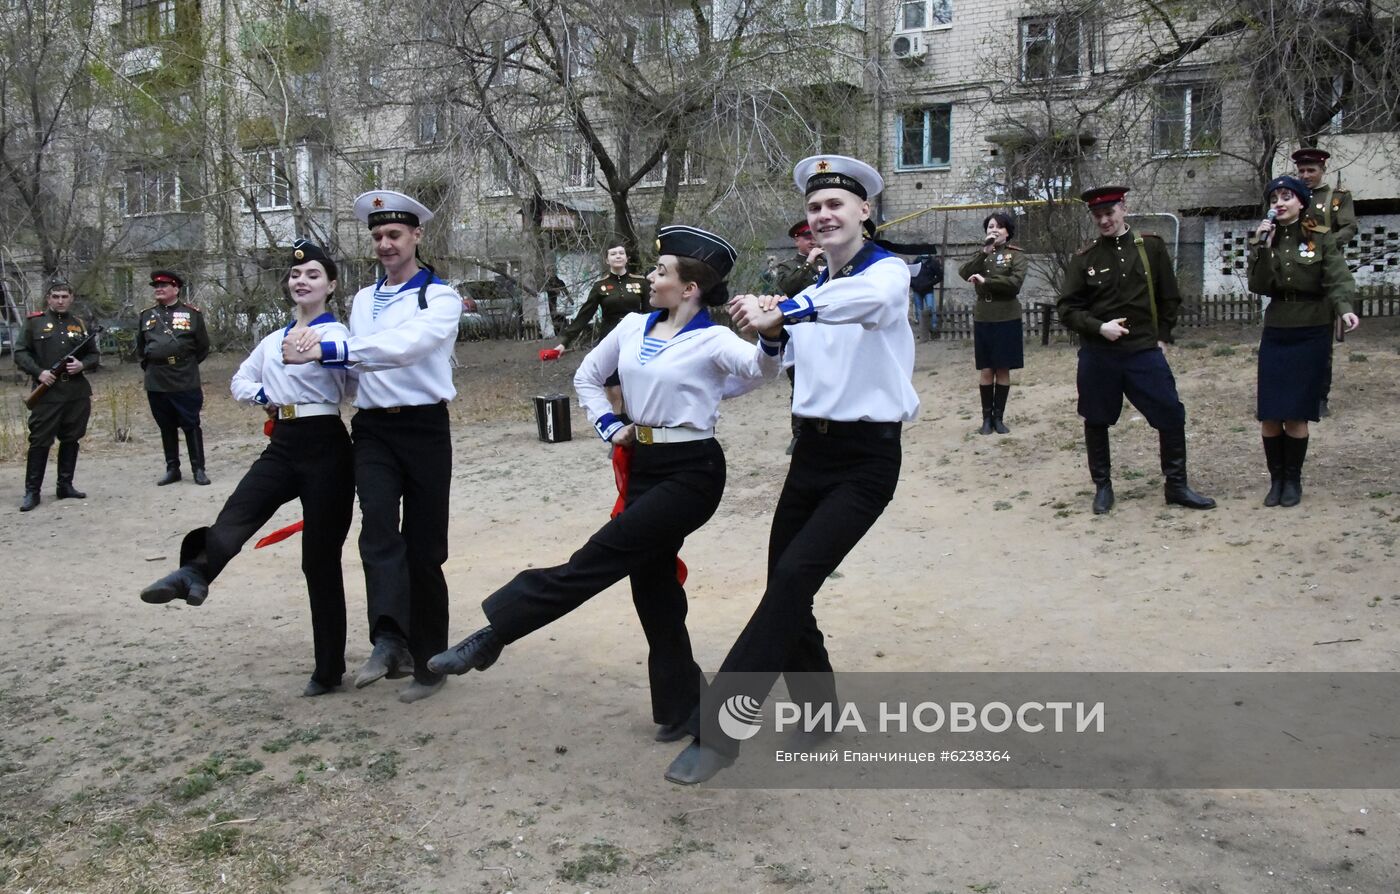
point(1100, 466)
point(36, 462)
point(999, 395)
point(67, 465)
point(1295, 450)
point(170, 443)
point(194, 442)
point(1173, 452)
point(987, 396)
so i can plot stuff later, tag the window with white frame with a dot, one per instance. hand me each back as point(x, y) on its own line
point(692, 170)
point(147, 20)
point(918, 15)
point(155, 189)
point(1186, 119)
point(578, 165)
point(504, 176)
point(1053, 46)
point(665, 33)
point(431, 121)
point(265, 179)
point(925, 137)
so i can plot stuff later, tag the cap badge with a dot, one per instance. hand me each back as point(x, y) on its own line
point(378, 202)
point(823, 167)
point(298, 254)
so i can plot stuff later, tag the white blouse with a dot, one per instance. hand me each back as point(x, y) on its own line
point(263, 379)
point(676, 384)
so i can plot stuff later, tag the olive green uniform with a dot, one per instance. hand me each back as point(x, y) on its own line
point(795, 274)
point(1105, 281)
point(617, 296)
point(171, 342)
point(1004, 272)
point(1305, 275)
point(62, 413)
point(1332, 209)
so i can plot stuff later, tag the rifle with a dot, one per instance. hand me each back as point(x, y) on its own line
point(41, 389)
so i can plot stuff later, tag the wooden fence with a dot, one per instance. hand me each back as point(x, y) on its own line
point(1039, 320)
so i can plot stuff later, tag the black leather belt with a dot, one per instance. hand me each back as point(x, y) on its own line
point(412, 408)
point(882, 430)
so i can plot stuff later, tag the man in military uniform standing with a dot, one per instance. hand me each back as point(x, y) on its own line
point(800, 271)
point(1120, 295)
point(618, 294)
point(171, 342)
point(48, 337)
point(1330, 211)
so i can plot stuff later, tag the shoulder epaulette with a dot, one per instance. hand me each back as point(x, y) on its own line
point(1313, 226)
point(152, 307)
point(1085, 249)
point(1340, 190)
point(636, 276)
point(1152, 236)
point(194, 308)
point(1009, 247)
point(37, 313)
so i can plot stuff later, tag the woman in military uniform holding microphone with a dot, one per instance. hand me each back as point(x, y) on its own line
point(997, 270)
point(1304, 273)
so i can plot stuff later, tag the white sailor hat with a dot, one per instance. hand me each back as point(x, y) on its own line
point(839, 172)
point(382, 206)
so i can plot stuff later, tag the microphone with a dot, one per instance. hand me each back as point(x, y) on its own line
point(989, 240)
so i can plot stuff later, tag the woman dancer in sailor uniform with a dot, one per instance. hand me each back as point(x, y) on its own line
point(676, 366)
point(308, 457)
point(1300, 266)
point(850, 339)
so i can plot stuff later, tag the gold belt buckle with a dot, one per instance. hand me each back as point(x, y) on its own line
point(644, 434)
point(171, 360)
point(287, 411)
point(821, 426)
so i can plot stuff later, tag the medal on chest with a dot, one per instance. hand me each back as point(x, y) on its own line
point(180, 320)
point(1308, 250)
point(1093, 272)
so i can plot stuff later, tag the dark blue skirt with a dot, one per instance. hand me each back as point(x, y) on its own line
point(1292, 372)
point(998, 345)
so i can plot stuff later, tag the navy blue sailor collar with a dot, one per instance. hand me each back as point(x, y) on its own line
point(423, 277)
point(869, 253)
point(326, 317)
point(701, 320)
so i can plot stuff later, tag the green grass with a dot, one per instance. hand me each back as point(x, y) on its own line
point(598, 858)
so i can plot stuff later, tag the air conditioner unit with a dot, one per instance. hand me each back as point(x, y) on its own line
point(909, 48)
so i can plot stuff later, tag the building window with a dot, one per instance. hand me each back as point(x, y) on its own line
point(155, 190)
point(918, 15)
point(504, 177)
point(432, 121)
point(1051, 47)
point(1185, 119)
point(692, 170)
point(144, 21)
point(578, 165)
point(925, 137)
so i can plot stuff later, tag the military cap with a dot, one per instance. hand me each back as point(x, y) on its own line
point(801, 228)
point(167, 278)
point(1311, 155)
point(304, 251)
point(1292, 184)
point(1103, 195)
point(383, 206)
point(702, 245)
point(837, 172)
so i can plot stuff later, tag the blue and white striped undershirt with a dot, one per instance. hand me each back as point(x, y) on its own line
point(382, 296)
point(650, 347)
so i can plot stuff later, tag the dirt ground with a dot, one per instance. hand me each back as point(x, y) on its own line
point(165, 748)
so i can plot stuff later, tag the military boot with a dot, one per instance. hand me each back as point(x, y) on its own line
point(999, 395)
point(1175, 488)
point(1295, 450)
point(987, 396)
point(67, 463)
point(1273, 456)
point(37, 460)
point(1100, 466)
point(194, 441)
point(170, 443)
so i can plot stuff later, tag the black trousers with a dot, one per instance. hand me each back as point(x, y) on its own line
point(307, 459)
point(836, 488)
point(673, 489)
point(404, 459)
point(66, 420)
point(176, 409)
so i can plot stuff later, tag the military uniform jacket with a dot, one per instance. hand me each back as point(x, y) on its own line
point(618, 296)
point(1105, 281)
point(171, 342)
point(1305, 275)
point(46, 338)
point(795, 274)
point(1004, 272)
point(1332, 210)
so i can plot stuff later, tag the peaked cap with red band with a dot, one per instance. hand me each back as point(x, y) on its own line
point(801, 228)
point(1311, 155)
point(166, 278)
point(1103, 195)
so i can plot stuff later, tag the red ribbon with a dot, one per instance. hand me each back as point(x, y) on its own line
point(280, 534)
point(622, 471)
